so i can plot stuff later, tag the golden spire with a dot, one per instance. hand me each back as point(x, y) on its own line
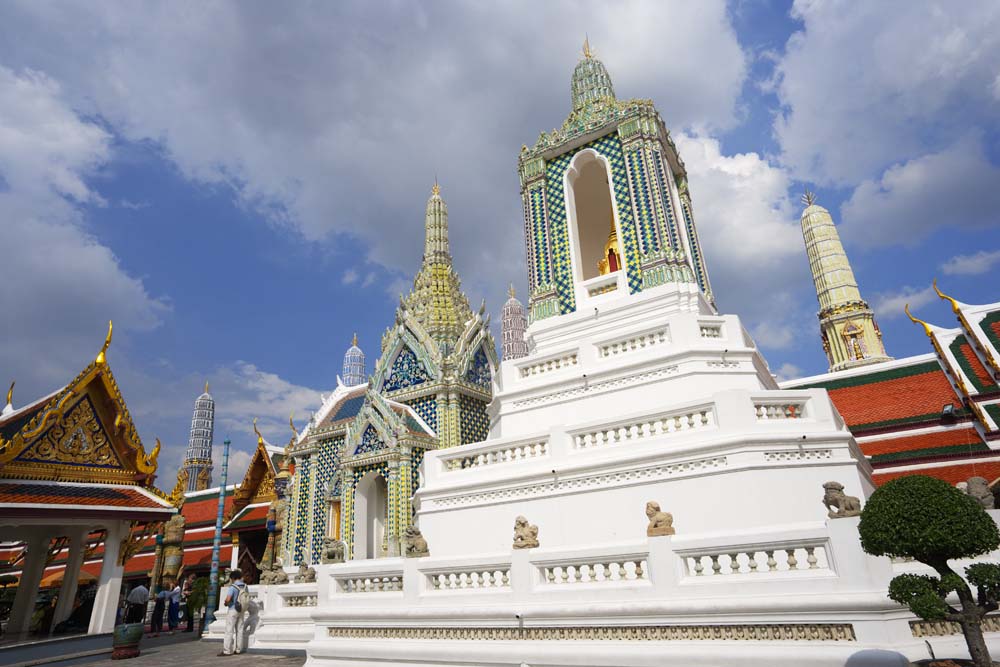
point(104, 348)
point(927, 327)
point(510, 291)
point(436, 189)
point(954, 304)
point(354, 341)
point(260, 438)
point(206, 386)
point(10, 393)
point(587, 53)
point(809, 198)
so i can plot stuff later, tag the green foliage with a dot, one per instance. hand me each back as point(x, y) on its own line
point(926, 519)
point(923, 594)
point(985, 577)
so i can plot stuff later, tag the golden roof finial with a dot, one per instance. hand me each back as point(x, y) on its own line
point(206, 386)
point(927, 327)
point(260, 438)
point(10, 394)
point(809, 198)
point(587, 53)
point(954, 304)
point(510, 291)
point(354, 341)
point(436, 189)
point(291, 422)
point(104, 348)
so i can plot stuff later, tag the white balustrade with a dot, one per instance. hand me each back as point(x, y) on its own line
point(502, 453)
point(710, 330)
point(769, 411)
point(633, 568)
point(468, 578)
point(786, 558)
point(381, 583)
point(633, 343)
point(647, 427)
point(549, 365)
point(308, 600)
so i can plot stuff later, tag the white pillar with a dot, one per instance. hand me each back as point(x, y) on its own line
point(102, 619)
point(27, 587)
point(234, 555)
point(71, 577)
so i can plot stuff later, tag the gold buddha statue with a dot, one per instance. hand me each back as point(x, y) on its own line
point(612, 259)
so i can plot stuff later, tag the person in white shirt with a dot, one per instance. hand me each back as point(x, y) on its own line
point(235, 639)
point(137, 599)
point(174, 606)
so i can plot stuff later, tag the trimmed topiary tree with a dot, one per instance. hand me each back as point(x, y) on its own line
point(931, 521)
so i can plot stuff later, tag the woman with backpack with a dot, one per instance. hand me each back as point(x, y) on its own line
point(237, 601)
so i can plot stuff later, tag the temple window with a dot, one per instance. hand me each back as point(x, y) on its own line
point(596, 248)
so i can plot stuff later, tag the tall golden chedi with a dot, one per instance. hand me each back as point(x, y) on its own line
point(851, 337)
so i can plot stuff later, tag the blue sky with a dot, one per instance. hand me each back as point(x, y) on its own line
point(241, 186)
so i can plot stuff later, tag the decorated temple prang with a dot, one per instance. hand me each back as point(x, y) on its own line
point(196, 469)
point(514, 323)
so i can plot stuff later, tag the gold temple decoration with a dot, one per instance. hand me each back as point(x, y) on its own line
point(10, 394)
point(147, 464)
point(927, 327)
point(354, 341)
point(436, 189)
point(206, 386)
point(291, 422)
point(954, 303)
point(101, 359)
point(809, 198)
point(587, 53)
point(260, 438)
point(611, 252)
point(510, 291)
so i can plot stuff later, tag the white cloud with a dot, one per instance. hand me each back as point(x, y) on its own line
point(867, 85)
point(788, 372)
point(349, 278)
point(369, 279)
point(955, 187)
point(58, 284)
point(318, 121)
point(752, 240)
point(889, 305)
point(971, 265)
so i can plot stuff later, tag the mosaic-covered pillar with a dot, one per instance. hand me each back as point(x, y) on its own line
point(405, 490)
point(347, 512)
point(394, 501)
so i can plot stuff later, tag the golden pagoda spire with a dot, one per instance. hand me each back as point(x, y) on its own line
point(104, 348)
point(354, 341)
point(206, 386)
point(510, 291)
point(955, 307)
point(808, 198)
point(587, 53)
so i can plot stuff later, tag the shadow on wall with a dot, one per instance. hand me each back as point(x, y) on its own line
point(877, 658)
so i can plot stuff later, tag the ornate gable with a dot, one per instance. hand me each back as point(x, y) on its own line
point(406, 372)
point(81, 433)
point(258, 482)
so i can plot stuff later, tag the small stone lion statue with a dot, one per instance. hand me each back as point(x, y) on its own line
point(839, 504)
point(305, 575)
point(414, 544)
point(525, 534)
point(333, 551)
point(660, 522)
point(276, 575)
point(979, 488)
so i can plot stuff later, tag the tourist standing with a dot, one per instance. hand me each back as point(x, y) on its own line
point(186, 591)
point(156, 622)
point(237, 600)
point(173, 606)
point(136, 603)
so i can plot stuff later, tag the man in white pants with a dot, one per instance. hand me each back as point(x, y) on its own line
point(235, 639)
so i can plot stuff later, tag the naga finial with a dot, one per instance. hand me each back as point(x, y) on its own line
point(101, 358)
point(260, 438)
point(927, 327)
point(808, 198)
point(291, 422)
point(10, 394)
point(954, 304)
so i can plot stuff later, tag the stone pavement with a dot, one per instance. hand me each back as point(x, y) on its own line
point(183, 651)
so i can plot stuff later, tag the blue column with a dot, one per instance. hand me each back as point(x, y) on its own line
point(213, 580)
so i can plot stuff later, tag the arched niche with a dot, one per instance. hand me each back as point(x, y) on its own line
point(591, 213)
point(370, 516)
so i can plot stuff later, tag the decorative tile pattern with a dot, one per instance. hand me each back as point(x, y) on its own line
point(536, 202)
point(327, 485)
point(642, 200)
point(426, 407)
point(300, 547)
point(416, 459)
point(666, 202)
point(479, 372)
point(370, 441)
point(696, 259)
point(347, 510)
point(406, 372)
point(475, 423)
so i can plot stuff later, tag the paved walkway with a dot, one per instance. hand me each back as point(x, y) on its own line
point(180, 650)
